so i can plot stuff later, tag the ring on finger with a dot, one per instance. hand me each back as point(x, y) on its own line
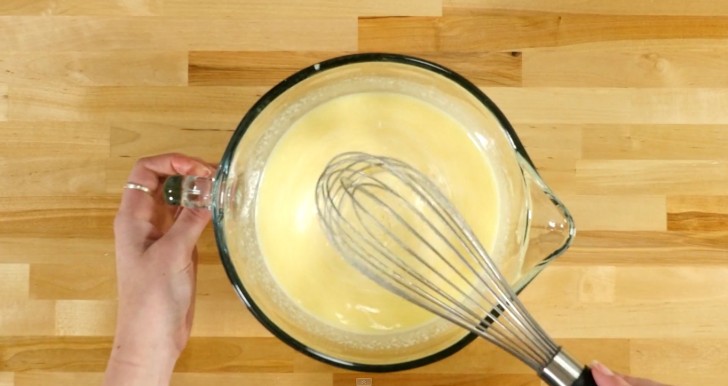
point(135, 186)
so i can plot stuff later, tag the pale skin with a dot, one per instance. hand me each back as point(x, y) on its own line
point(156, 263)
point(606, 377)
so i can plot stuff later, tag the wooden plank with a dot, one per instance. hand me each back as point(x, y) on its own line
point(112, 68)
point(237, 379)
point(145, 104)
point(645, 142)
point(650, 177)
point(487, 32)
point(62, 354)
point(645, 302)
point(57, 216)
point(205, 140)
point(80, 33)
point(481, 68)
point(493, 30)
point(3, 102)
point(44, 139)
point(613, 106)
point(267, 69)
point(627, 248)
point(236, 355)
point(80, 7)
point(575, 285)
point(575, 28)
point(608, 284)
point(14, 282)
point(615, 7)
point(226, 316)
point(617, 213)
point(85, 317)
point(262, 9)
point(42, 378)
point(697, 213)
point(593, 65)
point(70, 281)
point(213, 283)
point(7, 379)
point(241, 68)
point(42, 175)
point(656, 358)
point(23, 318)
point(18, 249)
point(39, 378)
point(554, 149)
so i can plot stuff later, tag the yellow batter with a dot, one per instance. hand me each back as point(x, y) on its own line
point(298, 254)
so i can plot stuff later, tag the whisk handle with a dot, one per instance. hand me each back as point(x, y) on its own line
point(585, 378)
point(563, 370)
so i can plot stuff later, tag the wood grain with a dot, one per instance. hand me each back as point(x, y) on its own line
point(674, 66)
point(86, 33)
point(648, 248)
point(650, 142)
point(267, 69)
point(114, 68)
point(264, 9)
point(697, 213)
point(615, 212)
point(616, 7)
point(490, 30)
point(7, 379)
point(81, 317)
point(622, 105)
point(14, 281)
point(570, 105)
point(80, 7)
point(3, 102)
point(144, 104)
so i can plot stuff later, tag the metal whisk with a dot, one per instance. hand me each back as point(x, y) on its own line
point(394, 225)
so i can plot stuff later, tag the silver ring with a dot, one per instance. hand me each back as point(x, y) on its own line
point(133, 186)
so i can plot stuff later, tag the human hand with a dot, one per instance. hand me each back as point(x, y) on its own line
point(605, 377)
point(156, 266)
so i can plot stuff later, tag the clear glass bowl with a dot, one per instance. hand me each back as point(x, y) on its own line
point(538, 226)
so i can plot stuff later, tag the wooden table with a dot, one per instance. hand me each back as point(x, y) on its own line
point(622, 104)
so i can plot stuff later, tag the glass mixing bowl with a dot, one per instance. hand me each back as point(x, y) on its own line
point(536, 229)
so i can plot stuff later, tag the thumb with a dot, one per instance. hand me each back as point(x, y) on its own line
point(605, 377)
point(188, 227)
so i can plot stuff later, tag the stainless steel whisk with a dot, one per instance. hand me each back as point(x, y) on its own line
point(394, 225)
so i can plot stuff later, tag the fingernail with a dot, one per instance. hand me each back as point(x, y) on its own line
point(206, 171)
point(601, 368)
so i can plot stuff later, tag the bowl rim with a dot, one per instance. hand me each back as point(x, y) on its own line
point(224, 168)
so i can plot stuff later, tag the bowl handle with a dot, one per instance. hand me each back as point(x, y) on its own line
point(189, 191)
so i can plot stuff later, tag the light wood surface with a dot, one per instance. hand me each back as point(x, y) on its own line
point(623, 105)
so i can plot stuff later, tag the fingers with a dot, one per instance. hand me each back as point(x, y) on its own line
point(188, 227)
point(151, 172)
point(605, 377)
point(148, 170)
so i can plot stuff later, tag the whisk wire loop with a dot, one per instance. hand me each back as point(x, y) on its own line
point(471, 247)
point(393, 224)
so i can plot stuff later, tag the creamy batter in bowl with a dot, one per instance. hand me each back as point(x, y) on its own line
point(266, 225)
